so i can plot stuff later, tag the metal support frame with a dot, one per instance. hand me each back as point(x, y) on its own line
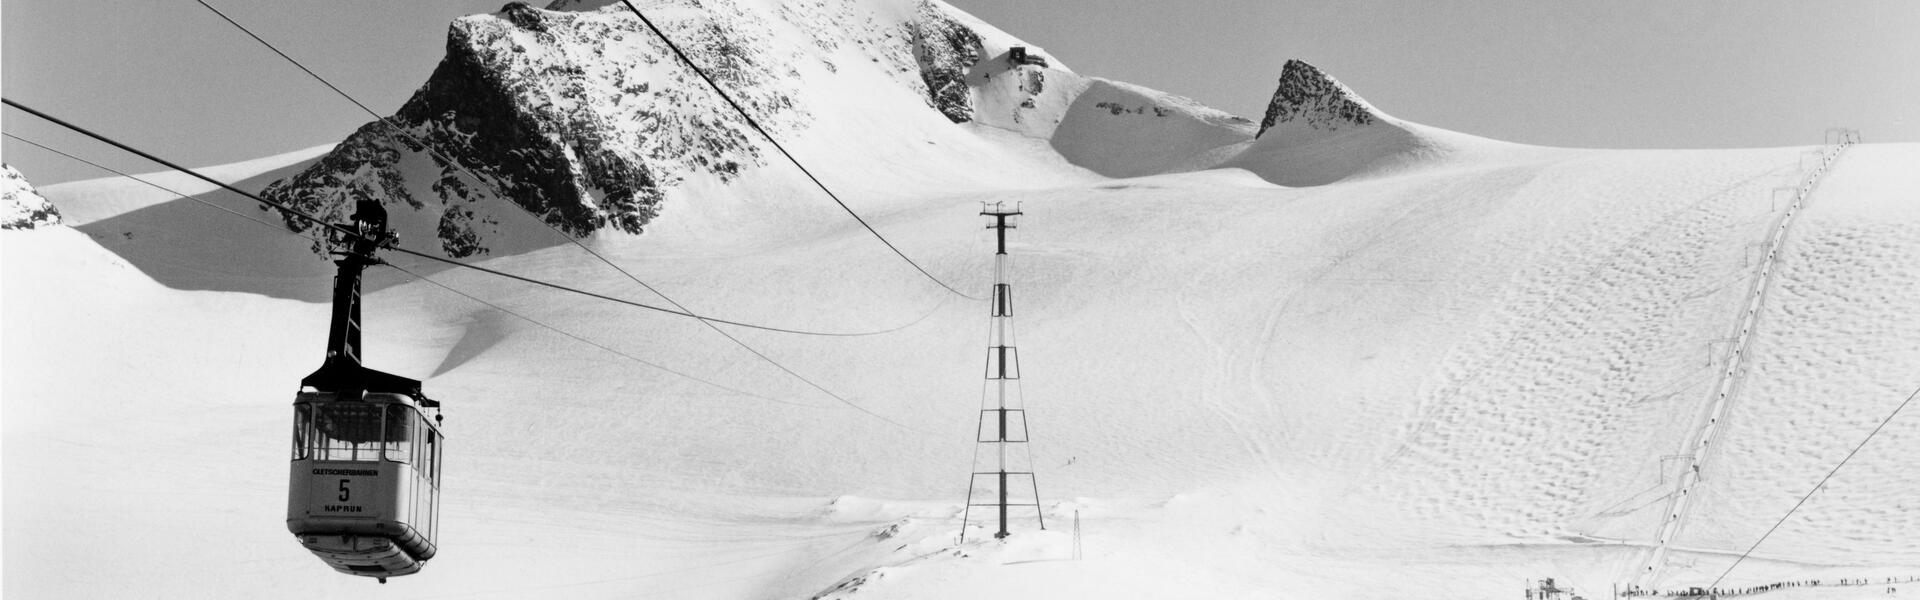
point(343, 371)
point(1003, 365)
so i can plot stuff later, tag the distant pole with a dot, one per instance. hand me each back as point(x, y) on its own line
point(1076, 534)
point(1009, 425)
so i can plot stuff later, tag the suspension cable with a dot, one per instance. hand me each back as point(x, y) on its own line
point(282, 229)
point(393, 128)
point(263, 42)
point(589, 342)
point(354, 234)
point(783, 150)
point(1816, 487)
point(396, 129)
point(150, 184)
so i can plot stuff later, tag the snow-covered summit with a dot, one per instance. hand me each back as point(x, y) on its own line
point(1318, 131)
point(586, 118)
point(579, 117)
point(20, 206)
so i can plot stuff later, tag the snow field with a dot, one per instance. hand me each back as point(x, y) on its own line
point(1456, 366)
point(1438, 384)
point(1808, 382)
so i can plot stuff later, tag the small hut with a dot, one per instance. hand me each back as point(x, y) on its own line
point(1017, 56)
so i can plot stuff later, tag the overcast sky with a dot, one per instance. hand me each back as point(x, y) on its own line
point(170, 76)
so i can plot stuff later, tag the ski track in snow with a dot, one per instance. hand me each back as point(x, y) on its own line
point(1807, 375)
point(1551, 394)
point(1699, 448)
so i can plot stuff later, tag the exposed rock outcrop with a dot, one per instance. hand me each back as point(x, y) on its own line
point(20, 206)
point(1312, 98)
point(945, 50)
point(1318, 131)
point(581, 118)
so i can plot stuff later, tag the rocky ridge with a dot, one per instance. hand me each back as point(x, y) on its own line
point(580, 116)
point(1318, 131)
point(584, 117)
point(945, 50)
point(1311, 97)
point(21, 207)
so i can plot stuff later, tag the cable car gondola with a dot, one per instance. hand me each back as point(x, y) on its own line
point(365, 484)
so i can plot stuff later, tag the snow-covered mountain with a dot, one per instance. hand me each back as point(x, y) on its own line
point(579, 114)
point(583, 116)
point(1319, 131)
point(20, 206)
point(1330, 354)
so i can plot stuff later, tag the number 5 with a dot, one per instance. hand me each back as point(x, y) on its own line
point(344, 492)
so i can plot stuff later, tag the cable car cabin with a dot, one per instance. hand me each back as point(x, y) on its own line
point(365, 491)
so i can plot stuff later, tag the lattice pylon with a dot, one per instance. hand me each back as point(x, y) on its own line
point(1003, 420)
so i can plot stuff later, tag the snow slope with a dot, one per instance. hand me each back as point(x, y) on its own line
point(585, 118)
point(1458, 380)
point(1435, 379)
point(1318, 131)
point(1122, 130)
point(150, 227)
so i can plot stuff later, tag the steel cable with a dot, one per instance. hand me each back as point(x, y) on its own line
point(282, 229)
point(783, 150)
point(355, 234)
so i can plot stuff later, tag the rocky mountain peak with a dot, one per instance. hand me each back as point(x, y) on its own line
point(1310, 97)
point(581, 116)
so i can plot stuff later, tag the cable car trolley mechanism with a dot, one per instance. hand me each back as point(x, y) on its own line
point(364, 493)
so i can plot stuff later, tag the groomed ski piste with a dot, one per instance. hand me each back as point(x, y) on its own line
point(1380, 360)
